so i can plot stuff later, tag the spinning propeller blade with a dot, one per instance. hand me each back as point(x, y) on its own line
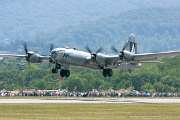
point(93, 55)
point(25, 47)
point(121, 53)
point(88, 49)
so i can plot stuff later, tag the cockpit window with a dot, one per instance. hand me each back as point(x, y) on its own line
point(61, 50)
point(53, 54)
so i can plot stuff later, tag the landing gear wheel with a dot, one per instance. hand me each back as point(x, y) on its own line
point(110, 72)
point(105, 71)
point(62, 73)
point(54, 70)
point(67, 72)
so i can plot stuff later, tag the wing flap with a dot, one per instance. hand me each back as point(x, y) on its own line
point(153, 56)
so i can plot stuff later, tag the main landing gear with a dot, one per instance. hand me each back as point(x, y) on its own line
point(107, 72)
point(63, 73)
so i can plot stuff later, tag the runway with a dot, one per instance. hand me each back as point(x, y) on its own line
point(91, 100)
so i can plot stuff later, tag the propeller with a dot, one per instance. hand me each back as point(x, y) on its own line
point(35, 57)
point(51, 47)
point(50, 60)
point(125, 45)
point(93, 55)
point(31, 57)
point(27, 54)
point(114, 49)
point(26, 51)
point(121, 53)
point(25, 47)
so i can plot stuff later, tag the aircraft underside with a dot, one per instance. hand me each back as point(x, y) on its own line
point(107, 72)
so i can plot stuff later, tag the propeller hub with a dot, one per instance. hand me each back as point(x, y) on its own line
point(121, 53)
point(93, 55)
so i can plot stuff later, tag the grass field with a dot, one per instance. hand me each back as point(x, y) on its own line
point(75, 111)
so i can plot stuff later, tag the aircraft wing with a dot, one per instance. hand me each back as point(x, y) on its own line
point(12, 55)
point(40, 57)
point(153, 56)
point(111, 59)
point(45, 58)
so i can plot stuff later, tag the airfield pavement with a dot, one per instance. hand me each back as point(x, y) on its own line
point(92, 100)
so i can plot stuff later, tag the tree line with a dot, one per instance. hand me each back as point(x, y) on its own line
point(151, 77)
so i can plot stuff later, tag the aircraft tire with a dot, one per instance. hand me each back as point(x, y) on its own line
point(54, 70)
point(105, 71)
point(109, 72)
point(62, 73)
point(67, 73)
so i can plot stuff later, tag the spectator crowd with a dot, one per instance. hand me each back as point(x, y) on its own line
point(93, 93)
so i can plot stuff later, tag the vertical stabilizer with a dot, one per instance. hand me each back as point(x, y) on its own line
point(132, 45)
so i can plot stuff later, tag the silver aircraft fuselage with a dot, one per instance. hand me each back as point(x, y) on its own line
point(75, 57)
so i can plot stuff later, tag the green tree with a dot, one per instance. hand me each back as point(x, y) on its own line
point(148, 87)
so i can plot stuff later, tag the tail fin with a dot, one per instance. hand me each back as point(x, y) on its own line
point(132, 45)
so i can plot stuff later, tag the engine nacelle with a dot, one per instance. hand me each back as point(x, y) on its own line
point(96, 58)
point(100, 58)
point(128, 55)
point(34, 58)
